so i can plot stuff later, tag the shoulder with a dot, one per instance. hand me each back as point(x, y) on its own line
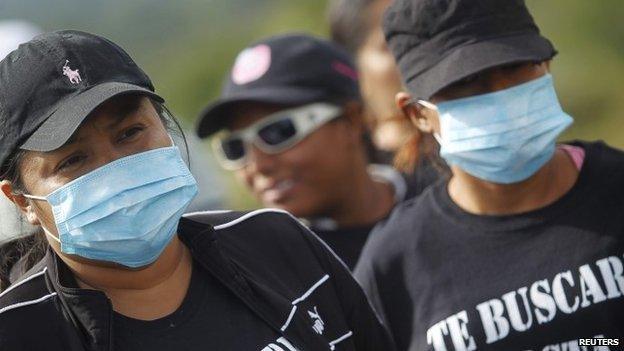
point(271, 246)
point(603, 165)
point(262, 222)
point(25, 302)
point(272, 232)
point(602, 155)
point(30, 286)
point(404, 229)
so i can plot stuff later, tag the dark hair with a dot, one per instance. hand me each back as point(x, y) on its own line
point(349, 22)
point(31, 249)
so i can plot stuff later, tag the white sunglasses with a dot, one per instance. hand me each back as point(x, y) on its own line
point(273, 134)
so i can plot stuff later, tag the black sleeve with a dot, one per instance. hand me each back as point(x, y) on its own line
point(369, 333)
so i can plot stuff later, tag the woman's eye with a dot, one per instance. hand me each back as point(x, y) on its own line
point(129, 133)
point(70, 162)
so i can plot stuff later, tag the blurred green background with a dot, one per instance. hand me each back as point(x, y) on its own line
point(187, 46)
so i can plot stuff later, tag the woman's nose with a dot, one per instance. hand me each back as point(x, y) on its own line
point(260, 161)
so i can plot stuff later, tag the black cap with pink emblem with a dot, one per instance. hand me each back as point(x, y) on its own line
point(49, 85)
point(290, 69)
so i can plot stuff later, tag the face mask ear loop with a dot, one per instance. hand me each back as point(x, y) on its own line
point(427, 104)
point(172, 142)
point(47, 232)
point(438, 138)
point(33, 197)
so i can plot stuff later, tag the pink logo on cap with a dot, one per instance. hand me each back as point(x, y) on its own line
point(345, 70)
point(251, 64)
point(73, 75)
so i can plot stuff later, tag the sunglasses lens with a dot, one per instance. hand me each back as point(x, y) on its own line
point(233, 149)
point(278, 132)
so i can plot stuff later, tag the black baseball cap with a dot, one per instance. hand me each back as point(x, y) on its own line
point(49, 85)
point(437, 43)
point(288, 69)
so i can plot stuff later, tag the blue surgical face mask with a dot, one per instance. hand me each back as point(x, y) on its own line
point(503, 137)
point(126, 211)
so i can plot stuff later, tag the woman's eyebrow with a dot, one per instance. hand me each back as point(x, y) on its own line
point(119, 114)
point(118, 118)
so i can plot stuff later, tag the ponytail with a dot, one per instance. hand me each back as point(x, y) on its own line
point(419, 148)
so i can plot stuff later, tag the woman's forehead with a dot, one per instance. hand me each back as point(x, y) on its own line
point(113, 113)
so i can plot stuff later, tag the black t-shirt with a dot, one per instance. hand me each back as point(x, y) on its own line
point(446, 280)
point(347, 243)
point(210, 318)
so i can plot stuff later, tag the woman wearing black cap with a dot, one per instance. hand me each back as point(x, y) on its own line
point(522, 248)
point(87, 156)
point(292, 128)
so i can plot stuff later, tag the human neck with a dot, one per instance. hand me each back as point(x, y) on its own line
point(546, 186)
point(365, 200)
point(146, 294)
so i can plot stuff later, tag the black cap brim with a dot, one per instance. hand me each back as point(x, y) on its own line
point(477, 57)
point(61, 125)
point(213, 118)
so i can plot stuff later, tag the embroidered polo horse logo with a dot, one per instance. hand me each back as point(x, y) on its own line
point(73, 75)
point(319, 325)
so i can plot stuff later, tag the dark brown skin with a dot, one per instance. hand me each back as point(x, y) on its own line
point(326, 172)
point(481, 197)
point(118, 128)
point(380, 81)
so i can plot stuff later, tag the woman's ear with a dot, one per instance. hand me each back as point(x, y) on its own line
point(405, 103)
point(20, 201)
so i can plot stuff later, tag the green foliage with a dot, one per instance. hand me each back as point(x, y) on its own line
point(589, 69)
